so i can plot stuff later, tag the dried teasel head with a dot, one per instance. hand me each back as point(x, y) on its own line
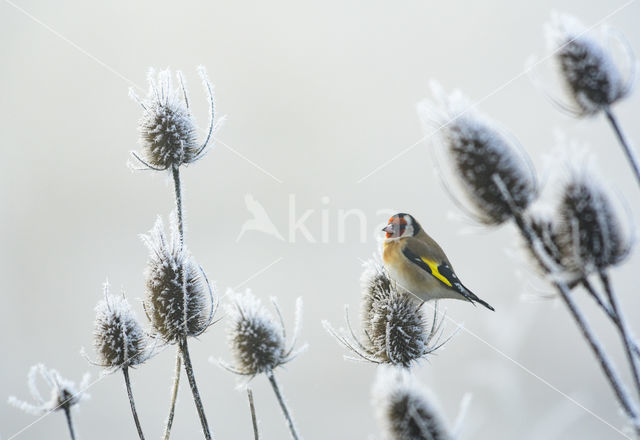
point(494, 173)
point(591, 76)
point(179, 300)
point(118, 339)
point(394, 323)
point(64, 394)
point(404, 410)
point(257, 339)
point(590, 233)
point(168, 131)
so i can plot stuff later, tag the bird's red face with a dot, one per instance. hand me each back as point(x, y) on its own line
point(397, 226)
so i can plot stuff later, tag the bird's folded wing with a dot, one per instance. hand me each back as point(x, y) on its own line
point(440, 270)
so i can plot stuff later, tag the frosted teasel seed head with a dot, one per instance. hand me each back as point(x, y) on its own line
point(590, 233)
point(257, 340)
point(118, 338)
point(495, 175)
point(394, 324)
point(63, 395)
point(592, 78)
point(179, 300)
point(404, 410)
point(168, 131)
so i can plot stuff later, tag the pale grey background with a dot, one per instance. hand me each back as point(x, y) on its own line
point(318, 95)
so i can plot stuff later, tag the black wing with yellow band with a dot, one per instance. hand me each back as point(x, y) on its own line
point(444, 274)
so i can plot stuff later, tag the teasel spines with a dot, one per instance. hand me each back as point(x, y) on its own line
point(588, 70)
point(590, 232)
point(168, 131)
point(404, 410)
point(179, 300)
point(495, 174)
point(257, 340)
point(119, 339)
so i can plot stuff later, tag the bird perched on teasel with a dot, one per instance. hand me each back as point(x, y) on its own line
point(416, 262)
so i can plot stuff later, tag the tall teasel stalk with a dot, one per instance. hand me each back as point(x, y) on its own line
point(499, 184)
point(259, 343)
point(593, 80)
point(63, 396)
point(120, 342)
point(179, 300)
point(394, 324)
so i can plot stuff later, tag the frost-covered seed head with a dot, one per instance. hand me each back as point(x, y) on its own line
point(590, 233)
point(256, 339)
point(480, 154)
point(394, 322)
point(588, 70)
point(177, 301)
point(404, 411)
point(63, 395)
point(118, 339)
point(167, 128)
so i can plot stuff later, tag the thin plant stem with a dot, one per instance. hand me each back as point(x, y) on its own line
point(622, 328)
point(174, 396)
point(125, 372)
point(610, 313)
point(631, 155)
point(535, 244)
point(67, 413)
point(254, 420)
point(184, 349)
point(283, 405)
point(178, 190)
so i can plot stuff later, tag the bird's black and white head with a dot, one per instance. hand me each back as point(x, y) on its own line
point(401, 225)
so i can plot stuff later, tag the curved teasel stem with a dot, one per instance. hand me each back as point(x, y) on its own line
point(184, 349)
point(174, 397)
point(631, 154)
point(125, 372)
point(283, 405)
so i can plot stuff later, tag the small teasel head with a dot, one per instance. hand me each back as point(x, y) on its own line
point(119, 340)
point(404, 410)
point(257, 339)
point(64, 394)
point(494, 173)
point(588, 70)
point(168, 131)
point(590, 233)
point(394, 324)
point(179, 300)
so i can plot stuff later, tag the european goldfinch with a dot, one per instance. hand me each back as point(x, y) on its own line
point(416, 262)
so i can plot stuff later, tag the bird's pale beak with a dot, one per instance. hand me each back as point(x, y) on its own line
point(388, 229)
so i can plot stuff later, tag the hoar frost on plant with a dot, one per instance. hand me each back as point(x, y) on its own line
point(592, 78)
point(257, 339)
point(179, 301)
point(119, 340)
point(168, 131)
point(590, 232)
point(394, 324)
point(63, 395)
point(404, 410)
point(494, 174)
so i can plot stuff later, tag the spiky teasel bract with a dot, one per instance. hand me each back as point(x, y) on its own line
point(168, 131)
point(179, 300)
point(588, 70)
point(118, 339)
point(590, 232)
point(404, 410)
point(63, 395)
point(494, 173)
point(257, 340)
point(394, 324)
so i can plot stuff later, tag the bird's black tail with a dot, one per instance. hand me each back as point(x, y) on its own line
point(474, 298)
